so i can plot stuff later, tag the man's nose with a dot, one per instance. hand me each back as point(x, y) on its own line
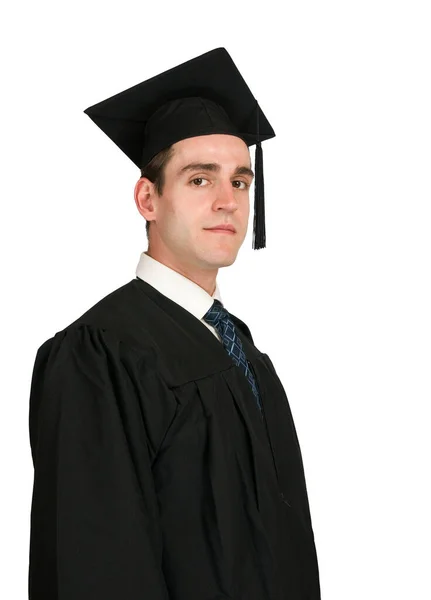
point(226, 195)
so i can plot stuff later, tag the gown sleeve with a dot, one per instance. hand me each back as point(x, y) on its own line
point(94, 531)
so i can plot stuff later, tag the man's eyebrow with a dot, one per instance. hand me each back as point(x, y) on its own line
point(214, 167)
point(244, 171)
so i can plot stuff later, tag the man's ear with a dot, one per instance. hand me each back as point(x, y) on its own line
point(145, 194)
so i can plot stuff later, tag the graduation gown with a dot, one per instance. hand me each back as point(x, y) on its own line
point(155, 475)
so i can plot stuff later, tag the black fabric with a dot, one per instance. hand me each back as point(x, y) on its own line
point(155, 476)
point(204, 95)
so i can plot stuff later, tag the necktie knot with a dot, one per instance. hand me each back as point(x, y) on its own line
point(216, 314)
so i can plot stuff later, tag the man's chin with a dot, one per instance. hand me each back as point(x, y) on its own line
point(218, 262)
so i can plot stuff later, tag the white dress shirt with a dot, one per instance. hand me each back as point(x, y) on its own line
point(178, 288)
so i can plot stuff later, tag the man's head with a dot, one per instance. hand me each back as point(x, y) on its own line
point(196, 184)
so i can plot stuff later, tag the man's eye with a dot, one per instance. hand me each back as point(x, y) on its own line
point(199, 180)
point(244, 185)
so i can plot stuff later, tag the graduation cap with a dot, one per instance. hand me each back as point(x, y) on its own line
point(202, 96)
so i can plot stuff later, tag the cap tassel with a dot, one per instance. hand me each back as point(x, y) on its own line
point(259, 236)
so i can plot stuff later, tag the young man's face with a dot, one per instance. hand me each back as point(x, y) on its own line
point(215, 191)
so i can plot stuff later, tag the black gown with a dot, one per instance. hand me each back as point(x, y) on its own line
point(155, 476)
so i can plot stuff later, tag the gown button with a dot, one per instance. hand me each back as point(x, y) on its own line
point(284, 499)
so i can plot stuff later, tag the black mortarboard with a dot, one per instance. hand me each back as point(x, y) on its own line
point(201, 96)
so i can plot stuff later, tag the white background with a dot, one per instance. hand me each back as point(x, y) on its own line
point(340, 298)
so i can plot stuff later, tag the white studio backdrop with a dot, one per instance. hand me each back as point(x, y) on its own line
point(340, 298)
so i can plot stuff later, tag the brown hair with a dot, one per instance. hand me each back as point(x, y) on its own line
point(155, 172)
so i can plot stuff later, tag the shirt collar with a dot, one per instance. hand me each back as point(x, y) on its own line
point(175, 286)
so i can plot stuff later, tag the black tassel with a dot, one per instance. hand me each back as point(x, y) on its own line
point(259, 234)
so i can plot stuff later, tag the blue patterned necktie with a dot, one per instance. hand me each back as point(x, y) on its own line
point(219, 317)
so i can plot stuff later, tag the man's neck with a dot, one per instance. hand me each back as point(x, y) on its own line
point(205, 280)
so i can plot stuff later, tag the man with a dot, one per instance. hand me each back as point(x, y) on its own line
point(166, 459)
